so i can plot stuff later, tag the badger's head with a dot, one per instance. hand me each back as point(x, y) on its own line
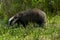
point(14, 19)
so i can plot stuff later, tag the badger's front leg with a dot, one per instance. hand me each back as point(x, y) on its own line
point(18, 24)
point(24, 24)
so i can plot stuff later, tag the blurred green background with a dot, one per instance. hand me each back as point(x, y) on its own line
point(8, 8)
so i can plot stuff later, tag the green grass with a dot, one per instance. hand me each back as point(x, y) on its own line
point(50, 32)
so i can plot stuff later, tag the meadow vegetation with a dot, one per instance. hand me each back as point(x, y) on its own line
point(49, 32)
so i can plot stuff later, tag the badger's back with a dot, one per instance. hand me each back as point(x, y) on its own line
point(33, 15)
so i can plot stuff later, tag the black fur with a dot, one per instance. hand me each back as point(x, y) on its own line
point(33, 15)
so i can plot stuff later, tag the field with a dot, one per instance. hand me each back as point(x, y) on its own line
point(49, 32)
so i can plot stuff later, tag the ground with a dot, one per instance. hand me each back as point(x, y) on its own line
point(50, 32)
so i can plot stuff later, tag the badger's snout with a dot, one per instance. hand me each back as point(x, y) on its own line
point(12, 20)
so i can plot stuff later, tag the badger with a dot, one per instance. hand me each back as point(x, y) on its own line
point(32, 15)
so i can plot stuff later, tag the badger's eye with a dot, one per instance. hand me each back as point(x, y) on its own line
point(15, 17)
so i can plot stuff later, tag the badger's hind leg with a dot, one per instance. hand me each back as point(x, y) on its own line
point(40, 23)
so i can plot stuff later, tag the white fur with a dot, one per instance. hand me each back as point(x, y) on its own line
point(11, 18)
point(14, 21)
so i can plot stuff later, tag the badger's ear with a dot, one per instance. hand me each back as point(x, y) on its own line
point(19, 15)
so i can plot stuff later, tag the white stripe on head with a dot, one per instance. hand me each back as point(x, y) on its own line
point(14, 21)
point(11, 18)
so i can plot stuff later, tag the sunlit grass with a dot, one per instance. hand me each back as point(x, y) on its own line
point(50, 32)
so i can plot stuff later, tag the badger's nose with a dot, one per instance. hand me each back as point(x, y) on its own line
point(10, 23)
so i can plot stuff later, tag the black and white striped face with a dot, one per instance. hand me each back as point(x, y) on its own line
point(13, 20)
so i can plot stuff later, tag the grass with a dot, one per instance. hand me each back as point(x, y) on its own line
point(50, 32)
